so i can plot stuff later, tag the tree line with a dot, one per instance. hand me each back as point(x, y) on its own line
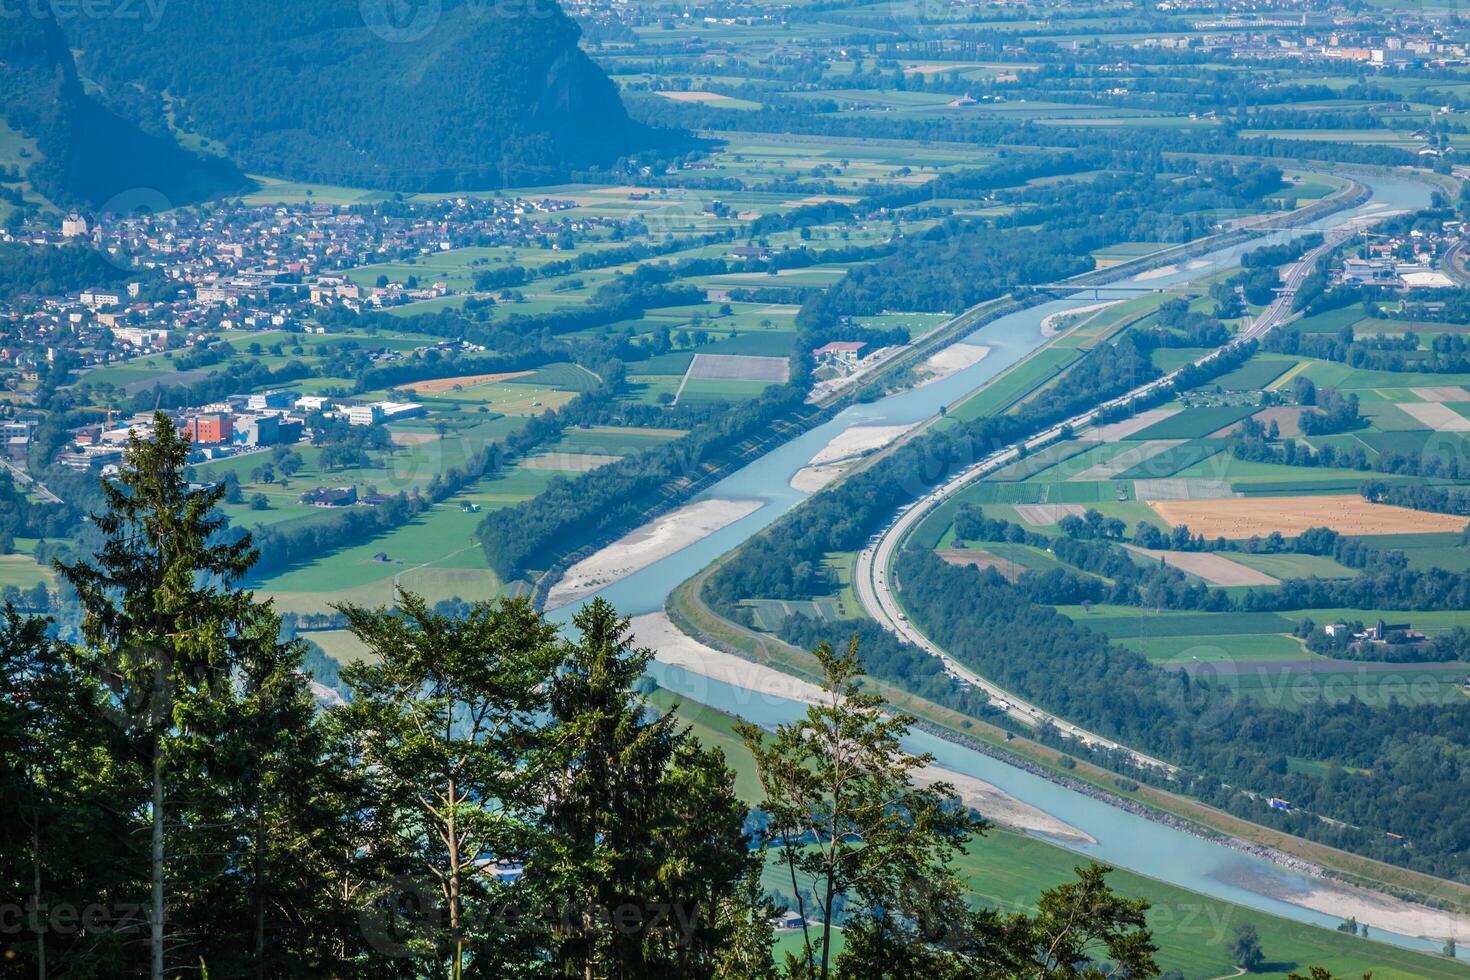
point(1235, 749)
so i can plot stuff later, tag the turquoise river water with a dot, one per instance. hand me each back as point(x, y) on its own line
point(1123, 839)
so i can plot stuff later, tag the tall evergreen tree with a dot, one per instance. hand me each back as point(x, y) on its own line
point(294, 809)
point(161, 628)
point(645, 831)
point(64, 837)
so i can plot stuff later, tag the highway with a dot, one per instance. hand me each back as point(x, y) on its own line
point(26, 480)
point(1453, 262)
point(872, 579)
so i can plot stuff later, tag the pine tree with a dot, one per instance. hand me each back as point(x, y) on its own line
point(160, 624)
point(58, 788)
point(645, 840)
point(295, 797)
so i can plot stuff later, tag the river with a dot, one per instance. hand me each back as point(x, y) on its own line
point(1122, 838)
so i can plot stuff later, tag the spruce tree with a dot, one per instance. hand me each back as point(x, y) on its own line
point(645, 833)
point(161, 623)
point(64, 833)
point(295, 799)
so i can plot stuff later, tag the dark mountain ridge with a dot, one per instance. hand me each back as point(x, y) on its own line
point(88, 155)
point(432, 95)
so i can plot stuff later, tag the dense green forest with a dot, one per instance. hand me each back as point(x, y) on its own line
point(48, 271)
point(88, 154)
point(1374, 760)
point(424, 97)
point(961, 262)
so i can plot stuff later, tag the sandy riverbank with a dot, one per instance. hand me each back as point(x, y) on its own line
point(1050, 326)
point(666, 535)
point(810, 479)
point(845, 447)
point(699, 661)
point(1376, 910)
point(952, 360)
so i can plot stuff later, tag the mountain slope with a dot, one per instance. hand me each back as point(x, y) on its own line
point(88, 155)
point(437, 94)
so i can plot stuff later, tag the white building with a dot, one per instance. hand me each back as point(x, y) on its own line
point(364, 414)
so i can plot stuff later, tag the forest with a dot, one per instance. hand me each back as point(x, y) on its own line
point(44, 271)
point(452, 97)
point(89, 155)
point(961, 262)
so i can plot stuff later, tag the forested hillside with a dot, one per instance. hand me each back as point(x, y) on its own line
point(88, 154)
point(456, 95)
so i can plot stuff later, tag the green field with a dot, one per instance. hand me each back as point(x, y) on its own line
point(1254, 374)
point(1014, 384)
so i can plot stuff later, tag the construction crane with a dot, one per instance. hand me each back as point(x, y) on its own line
point(1367, 235)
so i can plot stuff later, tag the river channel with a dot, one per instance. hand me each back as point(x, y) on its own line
point(1124, 839)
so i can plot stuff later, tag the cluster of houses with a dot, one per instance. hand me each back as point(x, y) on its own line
point(304, 240)
point(1380, 633)
point(1274, 29)
point(1411, 261)
point(253, 268)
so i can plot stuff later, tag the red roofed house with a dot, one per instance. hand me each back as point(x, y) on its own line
point(840, 351)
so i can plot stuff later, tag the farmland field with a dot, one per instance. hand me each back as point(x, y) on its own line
point(1242, 518)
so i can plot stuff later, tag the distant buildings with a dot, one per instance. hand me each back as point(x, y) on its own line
point(210, 429)
point(382, 412)
point(1380, 632)
point(843, 352)
point(92, 458)
point(267, 430)
point(330, 496)
point(99, 299)
point(267, 400)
